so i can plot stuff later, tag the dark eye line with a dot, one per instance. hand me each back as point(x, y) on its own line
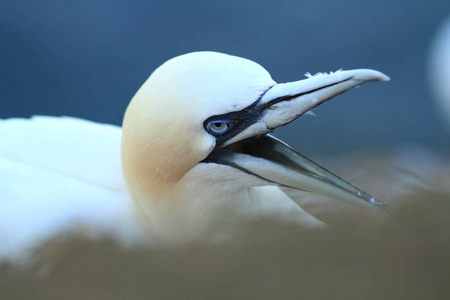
point(239, 120)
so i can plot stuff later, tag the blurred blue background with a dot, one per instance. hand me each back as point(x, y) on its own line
point(87, 58)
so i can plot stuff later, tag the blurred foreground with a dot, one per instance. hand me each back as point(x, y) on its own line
point(406, 256)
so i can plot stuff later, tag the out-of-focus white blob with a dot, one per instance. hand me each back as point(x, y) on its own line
point(439, 70)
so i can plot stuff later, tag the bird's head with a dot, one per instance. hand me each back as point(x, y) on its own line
point(211, 112)
point(168, 120)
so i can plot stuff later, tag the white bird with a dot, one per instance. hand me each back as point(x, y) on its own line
point(196, 158)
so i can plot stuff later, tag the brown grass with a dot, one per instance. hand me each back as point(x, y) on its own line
point(407, 256)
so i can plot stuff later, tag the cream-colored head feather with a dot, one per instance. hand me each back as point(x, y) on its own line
point(163, 130)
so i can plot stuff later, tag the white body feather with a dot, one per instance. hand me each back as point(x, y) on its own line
point(57, 174)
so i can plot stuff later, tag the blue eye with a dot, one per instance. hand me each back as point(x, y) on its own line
point(218, 127)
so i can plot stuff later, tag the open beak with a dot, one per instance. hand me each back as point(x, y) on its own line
point(255, 152)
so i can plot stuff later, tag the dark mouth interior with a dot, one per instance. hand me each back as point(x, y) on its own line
point(248, 146)
point(261, 146)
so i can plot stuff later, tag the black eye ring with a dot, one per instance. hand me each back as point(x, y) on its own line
point(218, 127)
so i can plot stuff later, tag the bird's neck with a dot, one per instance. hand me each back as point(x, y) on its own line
point(190, 209)
point(202, 206)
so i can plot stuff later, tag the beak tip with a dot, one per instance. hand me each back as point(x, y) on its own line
point(384, 77)
point(365, 75)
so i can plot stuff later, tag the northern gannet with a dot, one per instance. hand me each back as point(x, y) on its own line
point(197, 157)
point(196, 152)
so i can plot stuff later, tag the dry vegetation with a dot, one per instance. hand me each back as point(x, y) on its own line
point(406, 256)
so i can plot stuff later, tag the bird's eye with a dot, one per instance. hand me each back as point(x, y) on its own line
point(218, 127)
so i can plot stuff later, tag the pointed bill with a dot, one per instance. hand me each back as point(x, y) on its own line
point(287, 101)
point(254, 152)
